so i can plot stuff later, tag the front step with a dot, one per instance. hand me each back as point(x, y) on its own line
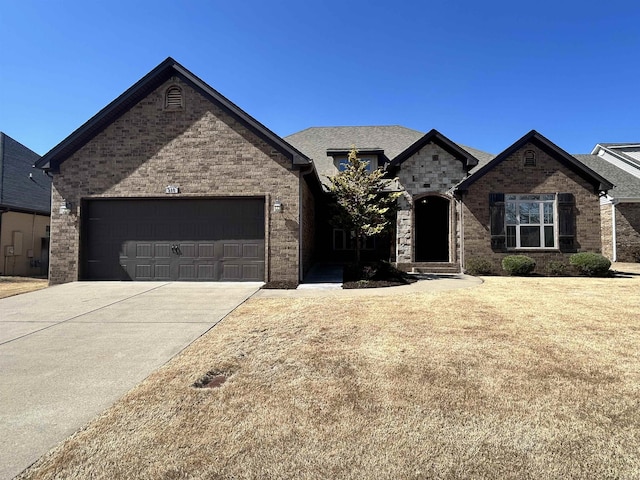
point(430, 267)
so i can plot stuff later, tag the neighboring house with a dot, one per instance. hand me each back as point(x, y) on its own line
point(25, 207)
point(172, 181)
point(620, 208)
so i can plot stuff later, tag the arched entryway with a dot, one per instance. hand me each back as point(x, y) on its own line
point(432, 229)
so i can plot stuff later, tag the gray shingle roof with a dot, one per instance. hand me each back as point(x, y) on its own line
point(393, 139)
point(18, 190)
point(626, 185)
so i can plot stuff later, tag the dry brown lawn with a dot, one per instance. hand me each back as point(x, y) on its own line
point(517, 378)
point(10, 286)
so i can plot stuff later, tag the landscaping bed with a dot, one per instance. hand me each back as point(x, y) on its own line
point(374, 275)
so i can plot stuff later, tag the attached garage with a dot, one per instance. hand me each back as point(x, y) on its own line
point(173, 182)
point(173, 239)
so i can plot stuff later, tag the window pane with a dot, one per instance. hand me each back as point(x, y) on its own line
point(549, 196)
point(510, 213)
point(510, 197)
point(548, 213)
point(529, 212)
point(529, 197)
point(511, 236)
point(529, 237)
point(549, 237)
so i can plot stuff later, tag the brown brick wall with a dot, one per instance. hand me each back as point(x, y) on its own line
point(202, 149)
point(628, 232)
point(511, 176)
point(308, 227)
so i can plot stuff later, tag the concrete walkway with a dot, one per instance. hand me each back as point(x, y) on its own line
point(68, 352)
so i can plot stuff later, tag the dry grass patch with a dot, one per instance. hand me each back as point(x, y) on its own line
point(10, 286)
point(517, 378)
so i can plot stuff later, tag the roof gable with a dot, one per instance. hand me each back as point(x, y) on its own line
point(147, 84)
point(436, 137)
point(599, 182)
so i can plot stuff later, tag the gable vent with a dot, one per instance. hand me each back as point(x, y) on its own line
point(173, 98)
point(529, 158)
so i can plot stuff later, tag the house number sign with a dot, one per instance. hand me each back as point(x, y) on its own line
point(172, 189)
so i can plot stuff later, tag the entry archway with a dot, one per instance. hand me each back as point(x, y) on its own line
point(431, 217)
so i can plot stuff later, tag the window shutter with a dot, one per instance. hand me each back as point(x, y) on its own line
point(496, 213)
point(567, 222)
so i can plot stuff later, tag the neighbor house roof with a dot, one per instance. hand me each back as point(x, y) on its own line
point(163, 72)
point(625, 184)
point(627, 152)
point(598, 181)
point(22, 186)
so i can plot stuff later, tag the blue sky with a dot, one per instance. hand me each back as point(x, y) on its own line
point(482, 73)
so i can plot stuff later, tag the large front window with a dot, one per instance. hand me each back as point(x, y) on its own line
point(531, 221)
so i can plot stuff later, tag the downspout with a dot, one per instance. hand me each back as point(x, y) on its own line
point(461, 234)
point(614, 239)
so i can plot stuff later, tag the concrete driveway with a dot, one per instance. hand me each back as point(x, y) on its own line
point(68, 352)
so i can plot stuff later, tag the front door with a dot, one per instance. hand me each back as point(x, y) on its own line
point(432, 229)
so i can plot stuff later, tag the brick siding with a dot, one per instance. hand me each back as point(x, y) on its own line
point(202, 149)
point(627, 232)
point(512, 177)
point(308, 227)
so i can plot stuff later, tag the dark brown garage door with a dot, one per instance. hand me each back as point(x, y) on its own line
point(173, 239)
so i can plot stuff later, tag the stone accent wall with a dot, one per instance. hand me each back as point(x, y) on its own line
point(511, 176)
point(628, 232)
point(404, 229)
point(606, 220)
point(201, 149)
point(419, 175)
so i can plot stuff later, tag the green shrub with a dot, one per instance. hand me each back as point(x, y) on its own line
point(478, 266)
point(556, 268)
point(518, 264)
point(590, 264)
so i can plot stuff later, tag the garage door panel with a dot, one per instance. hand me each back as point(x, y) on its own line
point(162, 250)
point(137, 239)
point(162, 271)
